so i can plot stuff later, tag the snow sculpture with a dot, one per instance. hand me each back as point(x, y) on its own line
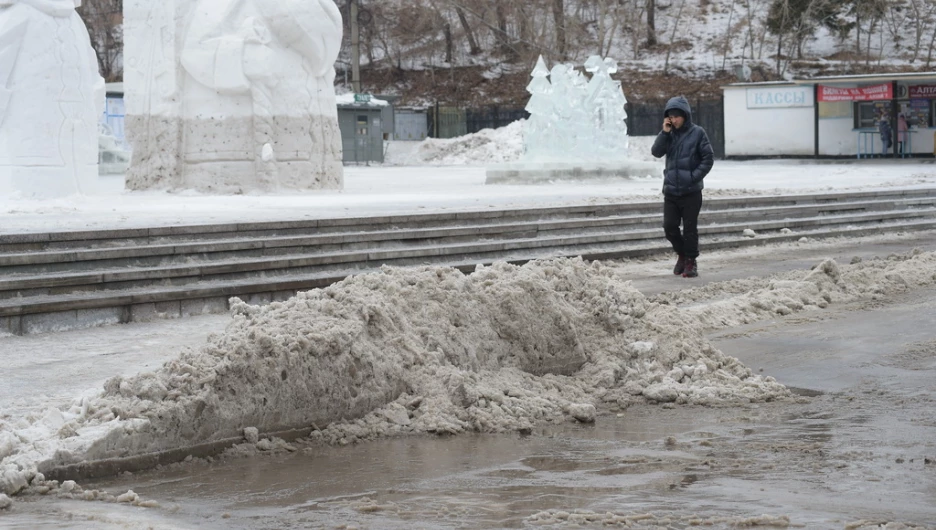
point(576, 129)
point(51, 95)
point(232, 96)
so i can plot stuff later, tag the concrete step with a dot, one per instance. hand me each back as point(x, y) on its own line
point(170, 235)
point(117, 256)
point(315, 260)
point(43, 314)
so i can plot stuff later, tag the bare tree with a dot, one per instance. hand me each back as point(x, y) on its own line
point(726, 46)
point(501, 35)
point(932, 43)
point(897, 23)
point(104, 20)
point(672, 38)
point(469, 32)
point(756, 30)
point(923, 15)
point(608, 19)
point(867, 14)
point(558, 11)
point(628, 20)
point(651, 23)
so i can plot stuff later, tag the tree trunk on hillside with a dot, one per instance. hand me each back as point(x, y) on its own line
point(469, 33)
point(779, 52)
point(727, 45)
point(501, 32)
point(523, 22)
point(857, 33)
point(558, 9)
point(751, 36)
point(917, 29)
point(449, 45)
point(929, 53)
point(782, 27)
point(609, 18)
point(651, 23)
point(669, 47)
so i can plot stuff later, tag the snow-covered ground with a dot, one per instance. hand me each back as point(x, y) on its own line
point(440, 175)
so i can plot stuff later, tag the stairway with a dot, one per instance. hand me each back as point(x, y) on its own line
point(68, 280)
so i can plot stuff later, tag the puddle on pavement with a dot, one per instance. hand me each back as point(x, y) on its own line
point(488, 480)
point(680, 465)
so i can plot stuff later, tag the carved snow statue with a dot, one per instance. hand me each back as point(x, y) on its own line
point(232, 96)
point(51, 96)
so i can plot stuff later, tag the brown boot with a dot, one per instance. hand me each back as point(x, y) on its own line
point(691, 269)
point(680, 265)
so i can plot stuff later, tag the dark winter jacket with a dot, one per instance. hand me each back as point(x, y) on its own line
point(886, 134)
point(689, 155)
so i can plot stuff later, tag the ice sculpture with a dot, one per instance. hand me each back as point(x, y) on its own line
point(576, 129)
point(232, 96)
point(575, 119)
point(51, 95)
point(114, 158)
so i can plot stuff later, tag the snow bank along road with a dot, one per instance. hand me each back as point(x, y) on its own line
point(510, 348)
point(68, 280)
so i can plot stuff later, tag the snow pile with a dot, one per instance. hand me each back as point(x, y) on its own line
point(350, 99)
point(487, 146)
point(495, 146)
point(401, 351)
point(757, 299)
point(69, 489)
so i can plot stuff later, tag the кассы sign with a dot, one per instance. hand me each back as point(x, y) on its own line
point(778, 97)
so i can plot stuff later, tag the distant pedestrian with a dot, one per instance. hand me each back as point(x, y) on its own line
point(902, 128)
point(886, 134)
point(689, 158)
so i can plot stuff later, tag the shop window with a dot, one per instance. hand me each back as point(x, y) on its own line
point(868, 112)
point(919, 112)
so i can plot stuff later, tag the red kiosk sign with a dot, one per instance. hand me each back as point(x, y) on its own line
point(922, 92)
point(864, 93)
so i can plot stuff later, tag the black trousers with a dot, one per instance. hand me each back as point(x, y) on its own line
point(683, 210)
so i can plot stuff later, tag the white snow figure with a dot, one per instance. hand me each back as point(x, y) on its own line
point(239, 93)
point(51, 95)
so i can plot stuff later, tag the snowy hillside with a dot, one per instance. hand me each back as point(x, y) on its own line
point(474, 51)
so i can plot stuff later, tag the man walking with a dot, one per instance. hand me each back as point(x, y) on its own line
point(689, 158)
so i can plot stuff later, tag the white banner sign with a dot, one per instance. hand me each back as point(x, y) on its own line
point(779, 97)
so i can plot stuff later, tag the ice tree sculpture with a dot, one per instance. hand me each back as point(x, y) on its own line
point(575, 118)
point(233, 95)
point(606, 104)
point(538, 132)
point(51, 95)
